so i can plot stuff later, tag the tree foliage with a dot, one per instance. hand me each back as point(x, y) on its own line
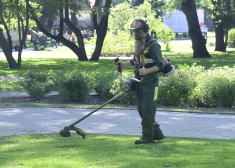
point(122, 16)
point(223, 14)
point(14, 15)
point(164, 6)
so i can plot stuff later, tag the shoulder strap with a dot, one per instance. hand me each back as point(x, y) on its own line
point(150, 41)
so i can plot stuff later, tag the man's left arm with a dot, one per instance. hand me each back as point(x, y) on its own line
point(145, 71)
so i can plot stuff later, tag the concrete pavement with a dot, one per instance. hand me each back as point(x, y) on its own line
point(17, 121)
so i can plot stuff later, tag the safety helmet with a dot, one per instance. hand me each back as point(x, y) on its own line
point(142, 26)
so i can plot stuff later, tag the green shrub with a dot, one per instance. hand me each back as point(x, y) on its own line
point(74, 85)
point(201, 95)
point(38, 84)
point(215, 88)
point(103, 81)
point(37, 89)
point(176, 89)
point(223, 92)
point(127, 98)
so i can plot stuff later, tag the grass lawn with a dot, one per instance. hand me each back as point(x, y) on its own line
point(51, 61)
point(114, 151)
point(109, 151)
point(64, 58)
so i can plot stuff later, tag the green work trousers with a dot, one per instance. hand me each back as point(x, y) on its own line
point(146, 100)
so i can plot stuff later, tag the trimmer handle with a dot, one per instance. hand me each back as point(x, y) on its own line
point(117, 62)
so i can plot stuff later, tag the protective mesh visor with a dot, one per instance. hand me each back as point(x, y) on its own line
point(134, 30)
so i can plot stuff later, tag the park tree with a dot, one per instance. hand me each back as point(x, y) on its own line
point(62, 10)
point(100, 16)
point(13, 14)
point(198, 41)
point(223, 15)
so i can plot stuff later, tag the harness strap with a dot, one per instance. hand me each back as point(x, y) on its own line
point(147, 45)
point(149, 42)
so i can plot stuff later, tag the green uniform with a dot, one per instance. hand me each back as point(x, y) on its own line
point(147, 90)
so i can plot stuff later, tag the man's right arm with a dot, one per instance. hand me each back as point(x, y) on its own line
point(125, 64)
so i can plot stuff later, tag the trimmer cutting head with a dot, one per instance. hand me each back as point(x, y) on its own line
point(65, 132)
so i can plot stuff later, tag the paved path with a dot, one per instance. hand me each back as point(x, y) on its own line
point(20, 94)
point(16, 121)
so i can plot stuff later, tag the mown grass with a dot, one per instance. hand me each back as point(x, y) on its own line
point(114, 151)
point(10, 85)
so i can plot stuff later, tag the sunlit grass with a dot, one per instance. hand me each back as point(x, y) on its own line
point(10, 85)
point(118, 151)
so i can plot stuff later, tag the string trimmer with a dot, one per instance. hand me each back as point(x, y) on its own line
point(66, 131)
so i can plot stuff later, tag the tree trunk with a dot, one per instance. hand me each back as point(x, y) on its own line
point(7, 45)
point(20, 29)
point(219, 36)
point(50, 25)
point(226, 39)
point(198, 41)
point(7, 52)
point(101, 33)
point(74, 19)
point(81, 49)
point(137, 2)
point(101, 30)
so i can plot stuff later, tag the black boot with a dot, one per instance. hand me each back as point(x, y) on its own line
point(158, 135)
point(143, 141)
point(147, 136)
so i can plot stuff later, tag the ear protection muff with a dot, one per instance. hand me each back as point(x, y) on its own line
point(145, 25)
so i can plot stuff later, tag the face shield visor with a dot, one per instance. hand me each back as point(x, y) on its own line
point(136, 30)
